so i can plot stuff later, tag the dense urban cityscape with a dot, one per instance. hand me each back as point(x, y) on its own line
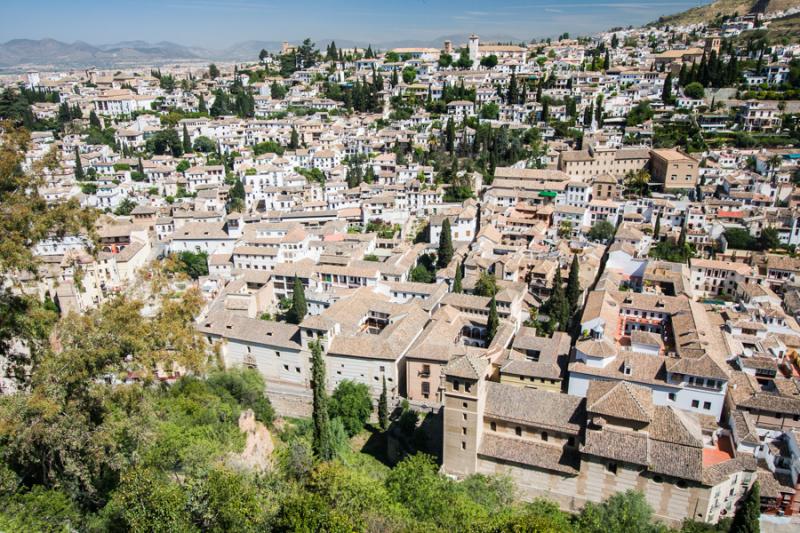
point(544, 285)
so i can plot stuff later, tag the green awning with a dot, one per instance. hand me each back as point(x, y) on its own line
point(547, 194)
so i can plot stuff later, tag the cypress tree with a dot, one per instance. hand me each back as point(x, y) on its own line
point(187, 142)
point(299, 308)
point(557, 307)
point(445, 252)
point(94, 121)
point(682, 237)
point(657, 229)
point(322, 442)
point(666, 92)
point(457, 282)
point(573, 285)
point(79, 175)
point(746, 518)
point(201, 105)
point(383, 408)
point(450, 136)
point(493, 322)
point(294, 140)
point(140, 166)
point(607, 61)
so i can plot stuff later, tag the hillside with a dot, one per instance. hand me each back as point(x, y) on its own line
point(709, 12)
point(785, 27)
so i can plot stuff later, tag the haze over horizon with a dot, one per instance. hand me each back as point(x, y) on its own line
point(218, 24)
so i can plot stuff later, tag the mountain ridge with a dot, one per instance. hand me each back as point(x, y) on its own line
point(17, 54)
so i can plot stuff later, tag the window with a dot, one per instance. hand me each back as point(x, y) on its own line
point(493, 426)
point(695, 403)
point(464, 405)
point(518, 431)
point(455, 384)
point(426, 387)
point(464, 416)
point(707, 406)
point(544, 436)
point(463, 431)
point(463, 445)
point(672, 396)
point(286, 367)
point(612, 468)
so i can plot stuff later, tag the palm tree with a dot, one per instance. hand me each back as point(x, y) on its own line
point(637, 183)
point(774, 163)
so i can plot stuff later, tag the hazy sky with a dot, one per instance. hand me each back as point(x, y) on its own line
point(218, 23)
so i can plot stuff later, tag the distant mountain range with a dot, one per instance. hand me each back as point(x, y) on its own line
point(19, 54)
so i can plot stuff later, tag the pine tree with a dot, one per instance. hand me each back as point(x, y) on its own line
point(493, 322)
point(573, 285)
point(383, 408)
point(322, 442)
point(666, 92)
point(746, 519)
point(187, 142)
point(607, 61)
point(299, 308)
point(445, 252)
point(201, 105)
point(94, 121)
point(457, 282)
point(79, 175)
point(294, 140)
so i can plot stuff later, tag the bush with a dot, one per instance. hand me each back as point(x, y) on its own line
point(246, 386)
point(352, 404)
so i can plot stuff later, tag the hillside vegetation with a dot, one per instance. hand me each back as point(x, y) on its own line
point(710, 11)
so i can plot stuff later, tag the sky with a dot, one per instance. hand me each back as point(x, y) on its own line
point(220, 23)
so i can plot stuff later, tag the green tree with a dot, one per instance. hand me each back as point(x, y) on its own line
point(352, 404)
point(746, 519)
point(201, 105)
point(657, 228)
point(666, 92)
point(557, 307)
point(493, 321)
point(409, 75)
point(458, 280)
point(624, 511)
point(297, 312)
point(602, 230)
point(213, 71)
point(294, 140)
point(125, 207)
point(194, 264)
point(94, 121)
point(383, 408)
point(573, 292)
point(489, 61)
point(322, 442)
point(79, 175)
point(146, 501)
point(187, 141)
point(694, 90)
point(444, 254)
point(486, 285)
point(769, 239)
